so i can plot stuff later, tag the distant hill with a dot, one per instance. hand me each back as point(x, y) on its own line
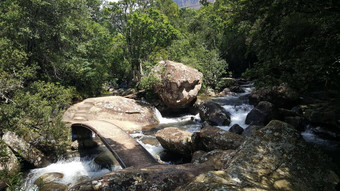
point(190, 3)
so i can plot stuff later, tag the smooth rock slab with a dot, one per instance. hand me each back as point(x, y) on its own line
point(128, 114)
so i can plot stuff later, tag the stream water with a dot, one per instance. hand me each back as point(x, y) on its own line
point(77, 168)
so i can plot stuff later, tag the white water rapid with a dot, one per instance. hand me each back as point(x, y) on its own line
point(73, 170)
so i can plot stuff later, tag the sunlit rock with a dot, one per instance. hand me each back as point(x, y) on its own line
point(175, 140)
point(24, 149)
point(128, 114)
point(179, 84)
point(158, 177)
point(276, 158)
point(218, 158)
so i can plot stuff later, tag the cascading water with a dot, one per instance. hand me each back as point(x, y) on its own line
point(73, 171)
point(76, 169)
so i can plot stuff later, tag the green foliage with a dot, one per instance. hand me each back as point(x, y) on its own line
point(296, 42)
point(13, 180)
point(148, 82)
point(140, 32)
point(36, 113)
point(195, 54)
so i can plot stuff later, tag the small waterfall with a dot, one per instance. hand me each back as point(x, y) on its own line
point(176, 120)
point(238, 114)
point(74, 170)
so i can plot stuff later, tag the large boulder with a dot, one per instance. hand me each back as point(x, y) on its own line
point(214, 114)
point(179, 84)
point(9, 164)
point(128, 114)
point(175, 140)
point(211, 138)
point(261, 114)
point(25, 150)
point(281, 96)
point(159, 177)
point(277, 158)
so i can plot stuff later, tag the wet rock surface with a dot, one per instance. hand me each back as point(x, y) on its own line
point(211, 138)
point(213, 114)
point(261, 114)
point(276, 158)
point(179, 84)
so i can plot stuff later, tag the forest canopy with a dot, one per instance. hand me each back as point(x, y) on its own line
point(55, 52)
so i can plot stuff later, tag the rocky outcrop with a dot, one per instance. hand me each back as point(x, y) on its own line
point(179, 84)
point(175, 140)
point(251, 130)
point(214, 114)
point(276, 158)
point(261, 114)
point(281, 96)
point(128, 114)
point(217, 158)
point(159, 177)
point(211, 138)
point(9, 164)
point(25, 150)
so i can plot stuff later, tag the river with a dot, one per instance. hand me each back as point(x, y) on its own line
point(76, 169)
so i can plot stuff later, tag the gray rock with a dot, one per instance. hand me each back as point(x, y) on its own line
point(276, 158)
point(214, 114)
point(53, 186)
point(217, 158)
point(175, 140)
point(251, 130)
point(281, 96)
point(158, 177)
point(179, 84)
point(25, 150)
point(48, 178)
point(211, 138)
point(236, 129)
point(261, 114)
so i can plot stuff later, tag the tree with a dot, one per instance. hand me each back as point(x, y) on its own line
point(295, 42)
point(144, 31)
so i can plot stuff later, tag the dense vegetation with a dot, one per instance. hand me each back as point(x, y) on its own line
point(54, 52)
